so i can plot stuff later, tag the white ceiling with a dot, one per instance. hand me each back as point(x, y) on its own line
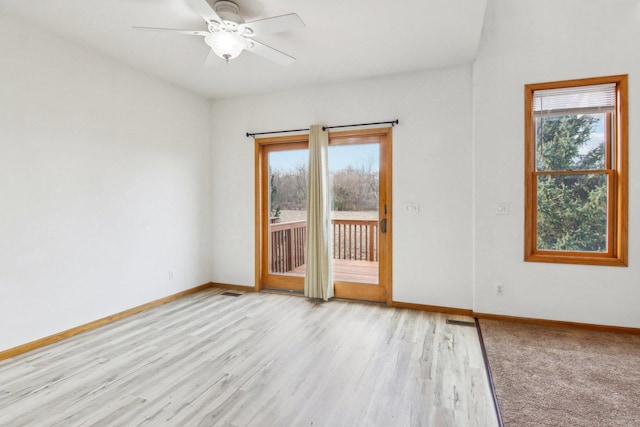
point(342, 39)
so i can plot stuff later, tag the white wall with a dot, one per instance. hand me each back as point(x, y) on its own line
point(431, 166)
point(104, 186)
point(531, 42)
point(107, 176)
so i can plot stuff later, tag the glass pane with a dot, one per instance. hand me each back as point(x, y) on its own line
point(572, 212)
point(287, 211)
point(355, 175)
point(570, 142)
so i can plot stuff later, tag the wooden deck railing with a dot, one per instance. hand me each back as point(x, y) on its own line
point(355, 239)
point(288, 244)
point(352, 240)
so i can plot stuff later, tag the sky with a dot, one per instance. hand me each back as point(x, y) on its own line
point(340, 156)
point(597, 136)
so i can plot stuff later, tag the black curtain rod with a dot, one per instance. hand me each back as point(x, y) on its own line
point(392, 123)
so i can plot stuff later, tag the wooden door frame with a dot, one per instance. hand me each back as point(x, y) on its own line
point(382, 292)
point(383, 136)
point(262, 148)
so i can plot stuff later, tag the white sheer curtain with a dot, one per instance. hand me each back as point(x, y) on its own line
point(318, 280)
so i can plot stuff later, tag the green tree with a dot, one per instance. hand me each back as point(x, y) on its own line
point(572, 208)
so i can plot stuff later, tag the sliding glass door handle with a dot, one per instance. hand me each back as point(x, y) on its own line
point(383, 225)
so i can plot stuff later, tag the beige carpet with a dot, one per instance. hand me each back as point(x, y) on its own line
point(547, 376)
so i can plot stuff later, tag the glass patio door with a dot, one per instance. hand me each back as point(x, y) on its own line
point(359, 169)
point(360, 213)
point(283, 170)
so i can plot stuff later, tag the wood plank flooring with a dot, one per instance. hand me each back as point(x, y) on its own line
point(255, 360)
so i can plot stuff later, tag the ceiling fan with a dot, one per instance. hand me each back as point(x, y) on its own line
point(228, 34)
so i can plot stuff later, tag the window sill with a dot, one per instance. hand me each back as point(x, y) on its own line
point(583, 260)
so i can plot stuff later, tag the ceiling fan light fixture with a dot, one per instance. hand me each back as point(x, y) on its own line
point(225, 44)
point(228, 34)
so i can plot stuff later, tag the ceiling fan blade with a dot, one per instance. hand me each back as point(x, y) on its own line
point(172, 30)
point(276, 24)
point(202, 8)
point(270, 53)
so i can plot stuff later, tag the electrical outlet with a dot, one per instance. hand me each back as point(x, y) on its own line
point(499, 289)
point(172, 274)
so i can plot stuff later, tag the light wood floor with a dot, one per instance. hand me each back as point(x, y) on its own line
point(255, 360)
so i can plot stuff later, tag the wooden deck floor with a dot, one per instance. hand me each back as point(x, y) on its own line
point(350, 271)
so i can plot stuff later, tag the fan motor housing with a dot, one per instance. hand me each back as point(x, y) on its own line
point(228, 11)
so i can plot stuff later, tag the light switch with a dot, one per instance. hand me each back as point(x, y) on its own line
point(502, 208)
point(411, 208)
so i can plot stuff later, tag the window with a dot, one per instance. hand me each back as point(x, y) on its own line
point(576, 171)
